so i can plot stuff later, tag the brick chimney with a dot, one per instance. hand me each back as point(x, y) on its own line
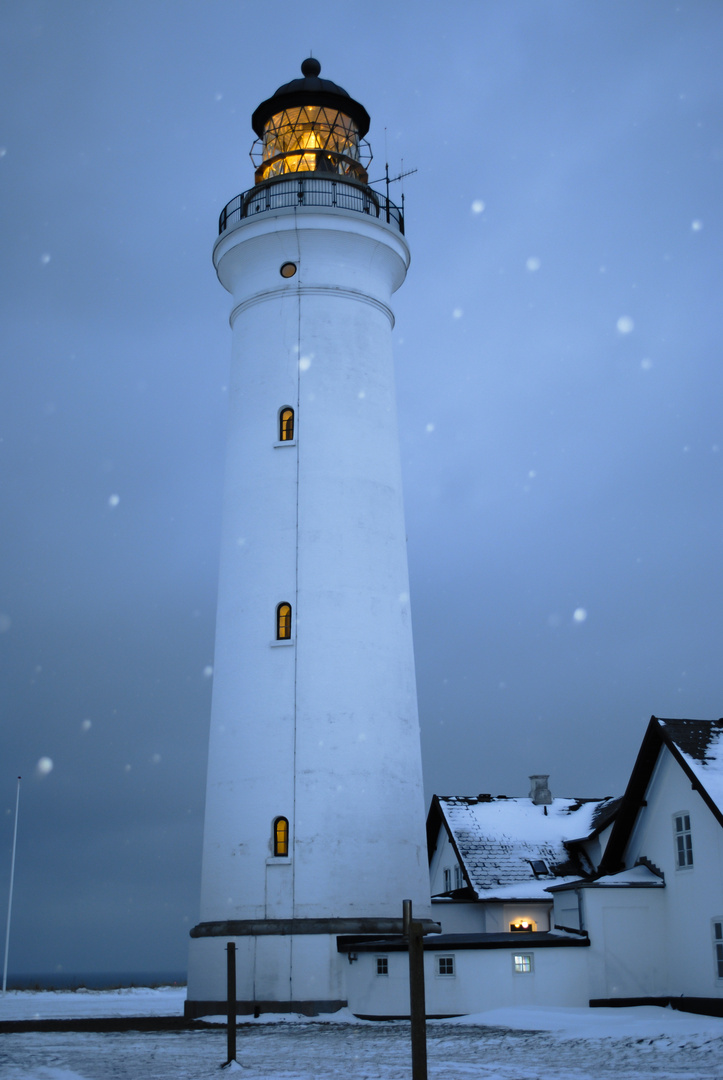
point(539, 791)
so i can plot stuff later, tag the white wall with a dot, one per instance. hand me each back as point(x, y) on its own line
point(484, 980)
point(693, 896)
point(628, 942)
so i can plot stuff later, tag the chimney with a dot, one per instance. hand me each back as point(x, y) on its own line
point(539, 791)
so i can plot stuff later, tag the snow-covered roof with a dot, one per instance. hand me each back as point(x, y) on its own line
point(639, 876)
point(700, 745)
point(498, 839)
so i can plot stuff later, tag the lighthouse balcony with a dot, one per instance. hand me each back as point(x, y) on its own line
point(309, 190)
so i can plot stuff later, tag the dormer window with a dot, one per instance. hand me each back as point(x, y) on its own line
point(539, 868)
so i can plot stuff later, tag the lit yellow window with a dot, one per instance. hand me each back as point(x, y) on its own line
point(283, 622)
point(281, 836)
point(286, 425)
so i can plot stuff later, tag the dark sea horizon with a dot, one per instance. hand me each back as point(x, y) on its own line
point(103, 980)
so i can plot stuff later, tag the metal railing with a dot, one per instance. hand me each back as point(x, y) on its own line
point(303, 190)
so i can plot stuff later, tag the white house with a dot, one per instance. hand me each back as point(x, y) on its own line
point(654, 913)
point(548, 901)
point(492, 860)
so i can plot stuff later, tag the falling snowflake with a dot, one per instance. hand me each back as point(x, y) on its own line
point(113, 501)
point(477, 206)
point(429, 428)
point(533, 263)
point(457, 313)
point(579, 614)
point(304, 363)
point(207, 671)
point(86, 725)
point(44, 766)
point(625, 324)
point(45, 259)
point(696, 225)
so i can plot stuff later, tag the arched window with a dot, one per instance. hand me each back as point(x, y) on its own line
point(286, 424)
point(283, 622)
point(281, 836)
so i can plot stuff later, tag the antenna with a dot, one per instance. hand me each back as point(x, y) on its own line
point(10, 900)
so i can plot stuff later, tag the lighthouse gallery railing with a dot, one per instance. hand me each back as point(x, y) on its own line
point(309, 191)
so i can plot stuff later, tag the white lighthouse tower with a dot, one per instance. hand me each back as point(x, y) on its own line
point(314, 809)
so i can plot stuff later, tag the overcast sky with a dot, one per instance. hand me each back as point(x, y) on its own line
point(559, 387)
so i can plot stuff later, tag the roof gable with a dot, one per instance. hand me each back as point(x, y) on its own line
point(697, 747)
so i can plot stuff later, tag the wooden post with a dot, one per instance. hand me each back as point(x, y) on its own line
point(417, 1009)
point(231, 1002)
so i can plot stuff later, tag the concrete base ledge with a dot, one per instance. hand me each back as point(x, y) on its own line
point(193, 1009)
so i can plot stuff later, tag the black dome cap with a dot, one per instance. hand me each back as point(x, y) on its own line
point(311, 90)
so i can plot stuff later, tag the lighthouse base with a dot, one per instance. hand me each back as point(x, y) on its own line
point(275, 972)
point(282, 965)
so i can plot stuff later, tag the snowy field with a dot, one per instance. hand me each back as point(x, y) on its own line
point(523, 1044)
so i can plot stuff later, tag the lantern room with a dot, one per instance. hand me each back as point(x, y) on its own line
point(311, 125)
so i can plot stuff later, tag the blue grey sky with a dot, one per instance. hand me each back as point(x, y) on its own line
point(559, 394)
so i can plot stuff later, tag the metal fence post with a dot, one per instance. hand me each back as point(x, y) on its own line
point(413, 932)
point(231, 1002)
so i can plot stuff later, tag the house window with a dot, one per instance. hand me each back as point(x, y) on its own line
point(281, 837)
point(447, 879)
point(445, 965)
point(522, 963)
point(382, 965)
point(286, 424)
point(683, 841)
point(718, 947)
point(458, 878)
point(283, 622)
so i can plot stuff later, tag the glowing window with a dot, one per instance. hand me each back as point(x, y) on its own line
point(283, 622)
point(683, 841)
point(281, 836)
point(522, 963)
point(524, 926)
point(286, 425)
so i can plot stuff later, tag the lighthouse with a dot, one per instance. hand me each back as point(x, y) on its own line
point(314, 823)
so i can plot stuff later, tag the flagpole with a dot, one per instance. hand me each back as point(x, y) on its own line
point(12, 879)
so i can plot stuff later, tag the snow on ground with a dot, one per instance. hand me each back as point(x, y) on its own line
point(644, 1043)
point(66, 1004)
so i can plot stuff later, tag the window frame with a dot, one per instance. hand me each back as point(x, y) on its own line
point(382, 965)
point(717, 935)
point(520, 969)
point(683, 840)
point(280, 636)
point(448, 959)
point(447, 879)
point(280, 837)
point(281, 427)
